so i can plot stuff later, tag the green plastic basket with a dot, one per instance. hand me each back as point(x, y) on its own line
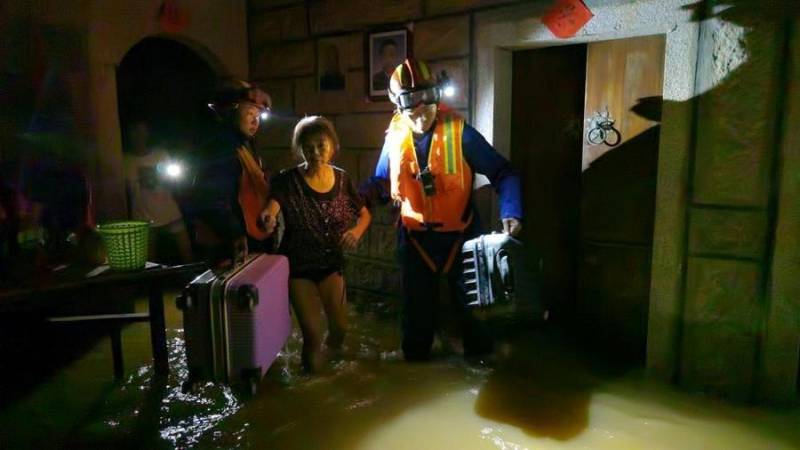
point(126, 243)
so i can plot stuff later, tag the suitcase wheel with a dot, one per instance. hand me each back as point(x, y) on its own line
point(250, 380)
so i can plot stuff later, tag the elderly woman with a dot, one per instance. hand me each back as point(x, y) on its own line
point(230, 186)
point(323, 214)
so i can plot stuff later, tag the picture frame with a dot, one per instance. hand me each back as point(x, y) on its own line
point(330, 65)
point(384, 49)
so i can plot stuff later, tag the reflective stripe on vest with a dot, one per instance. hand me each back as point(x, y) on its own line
point(452, 144)
point(443, 211)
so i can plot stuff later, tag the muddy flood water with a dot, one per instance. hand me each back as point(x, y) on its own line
point(538, 393)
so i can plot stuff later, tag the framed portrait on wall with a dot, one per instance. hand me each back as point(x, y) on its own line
point(329, 62)
point(384, 50)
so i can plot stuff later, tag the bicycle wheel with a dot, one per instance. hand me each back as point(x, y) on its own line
point(596, 136)
point(612, 137)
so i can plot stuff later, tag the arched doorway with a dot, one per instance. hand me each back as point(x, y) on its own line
point(166, 84)
point(164, 87)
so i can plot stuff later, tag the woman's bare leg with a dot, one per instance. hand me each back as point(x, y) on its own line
point(334, 300)
point(306, 302)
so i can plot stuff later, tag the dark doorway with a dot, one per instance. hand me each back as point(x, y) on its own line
point(546, 128)
point(168, 85)
point(589, 207)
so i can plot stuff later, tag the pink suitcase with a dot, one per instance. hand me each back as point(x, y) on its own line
point(236, 323)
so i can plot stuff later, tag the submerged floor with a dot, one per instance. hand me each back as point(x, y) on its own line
point(538, 393)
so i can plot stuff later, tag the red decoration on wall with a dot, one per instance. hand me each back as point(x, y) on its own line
point(566, 17)
point(172, 18)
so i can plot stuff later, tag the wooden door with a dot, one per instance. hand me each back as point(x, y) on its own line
point(546, 126)
point(618, 191)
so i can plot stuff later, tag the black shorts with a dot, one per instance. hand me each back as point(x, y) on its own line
point(315, 275)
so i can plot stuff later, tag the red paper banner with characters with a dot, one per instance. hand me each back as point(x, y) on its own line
point(566, 17)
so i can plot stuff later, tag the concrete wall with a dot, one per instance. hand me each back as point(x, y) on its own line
point(216, 30)
point(780, 338)
point(739, 334)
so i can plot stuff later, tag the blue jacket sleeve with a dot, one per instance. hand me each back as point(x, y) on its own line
point(382, 168)
point(484, 159)
point(375, 190)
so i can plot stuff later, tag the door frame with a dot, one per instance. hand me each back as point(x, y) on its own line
point(498, 33)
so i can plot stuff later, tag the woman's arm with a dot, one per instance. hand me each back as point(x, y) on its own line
point(269, 217)
point(352, 236)
point(364, 219)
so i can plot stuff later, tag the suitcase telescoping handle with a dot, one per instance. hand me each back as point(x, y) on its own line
point(248, 297)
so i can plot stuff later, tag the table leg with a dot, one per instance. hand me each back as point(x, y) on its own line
point(158, 332)
point(116, 353)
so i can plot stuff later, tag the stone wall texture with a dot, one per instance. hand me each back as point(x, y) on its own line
point(734, 341)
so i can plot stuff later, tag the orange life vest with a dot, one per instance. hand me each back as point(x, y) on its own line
point(445, 210)
point(253, 192)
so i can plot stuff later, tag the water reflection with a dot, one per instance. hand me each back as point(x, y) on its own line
point(187, 416)
point(538, 392)
point(148, 411)
point(537, 396)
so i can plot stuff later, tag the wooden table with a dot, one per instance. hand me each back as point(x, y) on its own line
point(45, 292)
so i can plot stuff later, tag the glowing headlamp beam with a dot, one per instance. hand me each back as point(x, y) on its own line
point(173, 170)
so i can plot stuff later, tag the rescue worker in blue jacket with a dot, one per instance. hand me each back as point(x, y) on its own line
point(427, 167)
